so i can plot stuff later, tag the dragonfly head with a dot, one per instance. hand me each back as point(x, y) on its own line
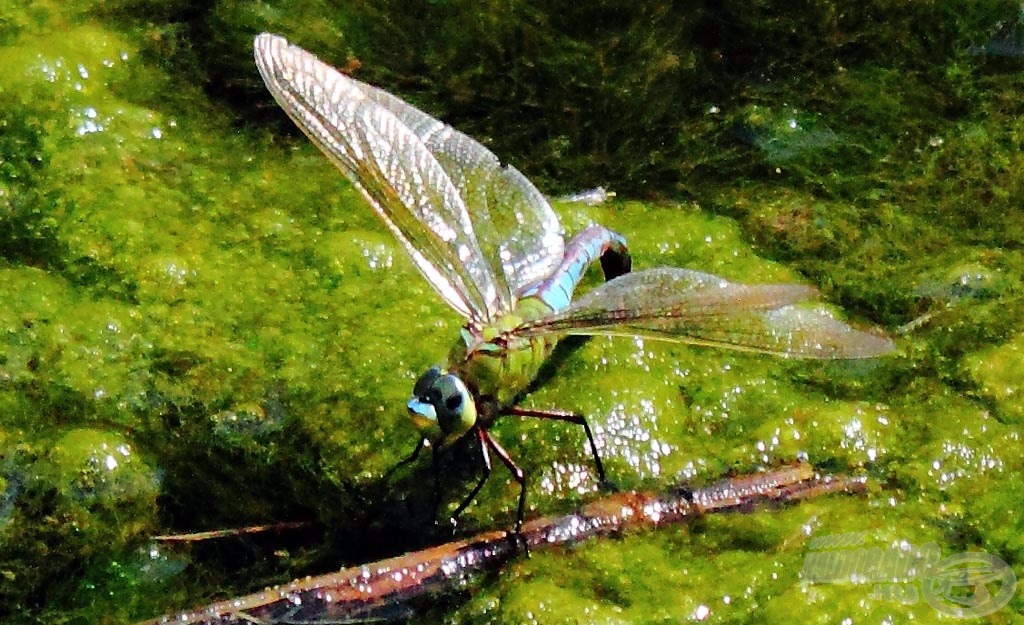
point(442, 407)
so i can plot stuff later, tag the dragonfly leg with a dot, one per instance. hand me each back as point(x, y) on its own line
point(408, 460)
point(517, 475)
point(435, 466)
point(570, 417)
point(482, 438)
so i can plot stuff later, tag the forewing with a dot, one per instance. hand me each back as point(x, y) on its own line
point(518, 232)
point(515, 224)
point(392, 167)
point(693, 307)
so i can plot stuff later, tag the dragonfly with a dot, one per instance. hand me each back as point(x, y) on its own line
point(488, 241)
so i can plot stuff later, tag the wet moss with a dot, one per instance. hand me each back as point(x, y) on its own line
point(486, 66)
point(73, 500)
point(995, 371)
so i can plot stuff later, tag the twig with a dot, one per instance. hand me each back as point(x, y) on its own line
point(193, 537)
point(371, 589)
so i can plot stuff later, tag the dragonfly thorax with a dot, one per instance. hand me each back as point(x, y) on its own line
point(442, 406)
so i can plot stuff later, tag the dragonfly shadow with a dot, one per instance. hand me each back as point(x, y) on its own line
point(402, 510)
point(562, 352)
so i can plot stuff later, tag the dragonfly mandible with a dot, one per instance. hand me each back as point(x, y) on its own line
point(492, 247)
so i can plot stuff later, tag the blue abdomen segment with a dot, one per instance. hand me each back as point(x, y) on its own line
point(594, 242)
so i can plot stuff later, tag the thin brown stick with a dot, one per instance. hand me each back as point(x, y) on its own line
point(193, 537)
point(361, 591)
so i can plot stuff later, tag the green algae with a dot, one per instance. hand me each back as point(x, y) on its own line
point(190, 287)
point(996, 372)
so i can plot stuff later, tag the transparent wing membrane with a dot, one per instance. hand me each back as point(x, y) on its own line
point(693, 307)
point(424, 179)
point(515, 225)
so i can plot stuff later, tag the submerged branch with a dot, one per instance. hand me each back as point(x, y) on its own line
point(371, 589)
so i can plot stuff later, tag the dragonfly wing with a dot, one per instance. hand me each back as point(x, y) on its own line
point(693, 307)
point(392, 167)
point(518, 231)
point(515, 224)
point(516, 238)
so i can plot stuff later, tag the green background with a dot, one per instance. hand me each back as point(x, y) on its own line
point(203, 326)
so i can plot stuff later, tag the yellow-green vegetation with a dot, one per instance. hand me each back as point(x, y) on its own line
point(202, 326)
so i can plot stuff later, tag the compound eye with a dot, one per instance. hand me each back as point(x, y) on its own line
point(456, 409)
point(433, 397)
point(453, 402)
point(442, 406)
point(425, 382)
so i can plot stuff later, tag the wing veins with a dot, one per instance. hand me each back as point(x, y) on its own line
point(388, 163)
point(692, 307)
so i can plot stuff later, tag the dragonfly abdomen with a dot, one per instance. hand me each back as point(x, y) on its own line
point(592, 243)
